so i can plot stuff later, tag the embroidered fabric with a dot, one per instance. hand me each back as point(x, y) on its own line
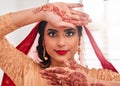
point(103, 74)
point(6, 25)
point(12, 66)
point(19, 67)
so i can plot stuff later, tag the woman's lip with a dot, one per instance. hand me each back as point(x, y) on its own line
point(61, 52)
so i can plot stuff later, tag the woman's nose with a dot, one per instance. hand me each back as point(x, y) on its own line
point(61, 42)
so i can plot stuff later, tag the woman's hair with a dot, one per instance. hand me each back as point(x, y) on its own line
point(40, 47)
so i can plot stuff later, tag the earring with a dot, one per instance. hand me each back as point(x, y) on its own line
point(79, 53)
point(79, 50)
point(79, 56)
point(46, 58)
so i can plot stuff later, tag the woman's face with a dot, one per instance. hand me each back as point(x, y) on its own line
point(60, 43)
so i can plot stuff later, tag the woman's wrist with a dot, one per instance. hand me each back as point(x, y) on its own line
point(25, 17)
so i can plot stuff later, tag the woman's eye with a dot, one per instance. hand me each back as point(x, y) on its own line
point(69, 33)
point(52, 34)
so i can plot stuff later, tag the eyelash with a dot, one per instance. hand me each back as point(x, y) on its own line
point(68, 34)
point(51, 34)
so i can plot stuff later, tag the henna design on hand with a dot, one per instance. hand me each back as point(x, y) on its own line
point(67, 77)
point(76, 79)
point(51, 8)
point(97, 84)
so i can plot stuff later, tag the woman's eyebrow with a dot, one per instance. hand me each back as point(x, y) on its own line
point(70, 29)
point(52, 30)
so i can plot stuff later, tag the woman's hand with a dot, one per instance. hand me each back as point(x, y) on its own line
point(72, 75)
point(58, 14)
point(63, 14)
point(63, 76)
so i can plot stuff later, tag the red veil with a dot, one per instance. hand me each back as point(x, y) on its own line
point(26, 44)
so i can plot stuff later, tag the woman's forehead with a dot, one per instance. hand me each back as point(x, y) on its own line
point(49, 26)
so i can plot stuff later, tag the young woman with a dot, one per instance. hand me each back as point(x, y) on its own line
point(58, 45)
point(24, 71)
point(75, 74)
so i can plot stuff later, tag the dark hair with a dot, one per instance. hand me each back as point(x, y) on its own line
point(40, 48)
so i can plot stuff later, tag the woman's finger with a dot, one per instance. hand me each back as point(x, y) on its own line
point(73, 5)
point(58, 70)
point(81, 22)
point(75, 17)
point(76, 12)
point(79, 13)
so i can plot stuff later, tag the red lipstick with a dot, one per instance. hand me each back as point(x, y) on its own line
point(61, 52)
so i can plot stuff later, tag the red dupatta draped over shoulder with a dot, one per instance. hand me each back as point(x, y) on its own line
point(26, 44)
point(105, 64)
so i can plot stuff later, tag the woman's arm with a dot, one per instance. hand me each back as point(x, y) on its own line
point(58, 14)
point(6, 25)
point(16, 64)
point(12, 62)
point(104, 74)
